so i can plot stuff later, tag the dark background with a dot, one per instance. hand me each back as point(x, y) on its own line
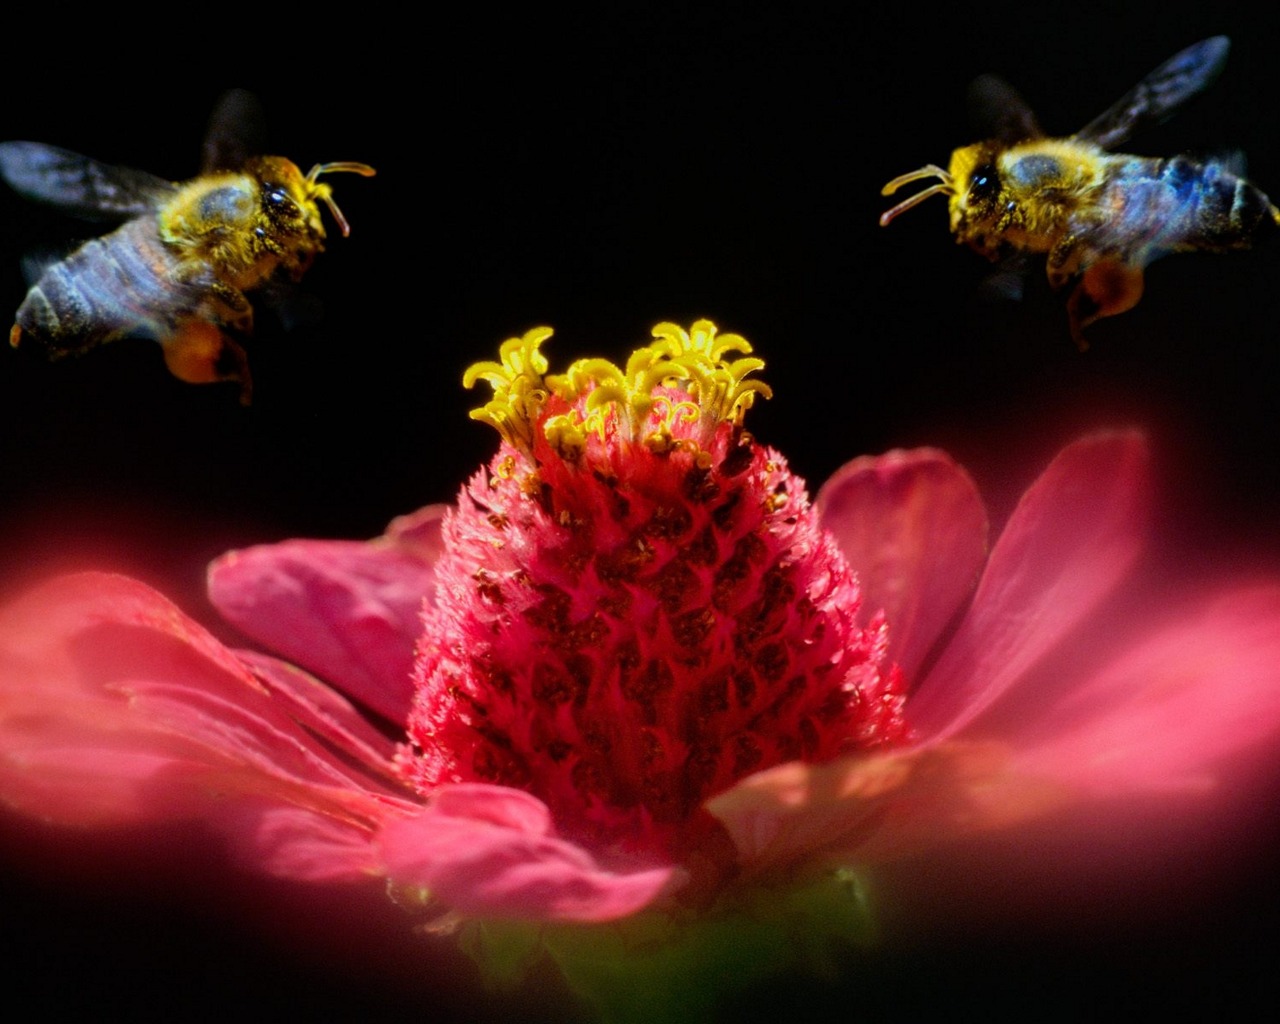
point(600, 176)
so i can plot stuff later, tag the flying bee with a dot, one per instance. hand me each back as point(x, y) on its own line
point(1099, 217)
point(178, 269)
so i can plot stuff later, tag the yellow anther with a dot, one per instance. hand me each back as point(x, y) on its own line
point(519, 388)
point(681, 377)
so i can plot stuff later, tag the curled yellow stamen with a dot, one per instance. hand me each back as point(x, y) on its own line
point(641, 401)
point(519, 388)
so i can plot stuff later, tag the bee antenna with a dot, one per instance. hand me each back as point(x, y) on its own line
point(325, 194)
point(946, 186)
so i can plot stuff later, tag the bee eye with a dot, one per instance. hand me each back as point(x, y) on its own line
point(984, 184)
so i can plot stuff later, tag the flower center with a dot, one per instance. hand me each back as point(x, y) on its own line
point(636, 606)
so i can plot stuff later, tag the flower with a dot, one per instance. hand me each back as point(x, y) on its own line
point(634, 676)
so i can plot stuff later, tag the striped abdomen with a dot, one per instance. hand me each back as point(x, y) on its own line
point(124, 284)
point(1179, 205)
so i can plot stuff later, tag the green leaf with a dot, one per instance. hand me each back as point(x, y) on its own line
point(504, 950)
point(655, 967)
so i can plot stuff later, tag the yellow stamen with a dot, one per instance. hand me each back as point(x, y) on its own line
point(693, 361)
point(519, 391)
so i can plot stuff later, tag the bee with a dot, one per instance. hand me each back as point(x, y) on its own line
point(178, 268)
point(1099, 217)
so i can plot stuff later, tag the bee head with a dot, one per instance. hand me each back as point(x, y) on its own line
point(971, 184)
point(975, 199)
point(289, 199)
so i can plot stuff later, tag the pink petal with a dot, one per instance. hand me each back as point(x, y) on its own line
point(914, 529)
point(487, 851)
point(1072, 538)
point(116, 708)
point(1171, 712)
point(324, 712)
point(876, 808)
point(347, 610)
point(290, 842)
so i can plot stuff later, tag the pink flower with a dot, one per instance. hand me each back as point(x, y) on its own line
point(633, 670)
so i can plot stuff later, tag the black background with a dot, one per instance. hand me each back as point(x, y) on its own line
point(600, 175)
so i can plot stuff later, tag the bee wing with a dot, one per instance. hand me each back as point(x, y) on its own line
point(237, 131)
point(1233, 161)
point(36, 260)
point(1008, 282)
point(998, 111)
point(1159, 94)
point(80, 186)
point(293, 305)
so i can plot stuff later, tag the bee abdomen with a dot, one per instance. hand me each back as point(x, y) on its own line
point(1215, 209)
point(108, 288)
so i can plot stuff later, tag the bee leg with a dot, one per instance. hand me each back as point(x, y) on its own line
point(1064, 261)
point(15, 335)
point(229, 306)
point(1107, 287)
point(200, 352)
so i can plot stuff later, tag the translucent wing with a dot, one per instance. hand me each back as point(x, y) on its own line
point(998, 111)
point(37, 260)
point(80, 186)
point(1159, 94)
point(236, 131)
